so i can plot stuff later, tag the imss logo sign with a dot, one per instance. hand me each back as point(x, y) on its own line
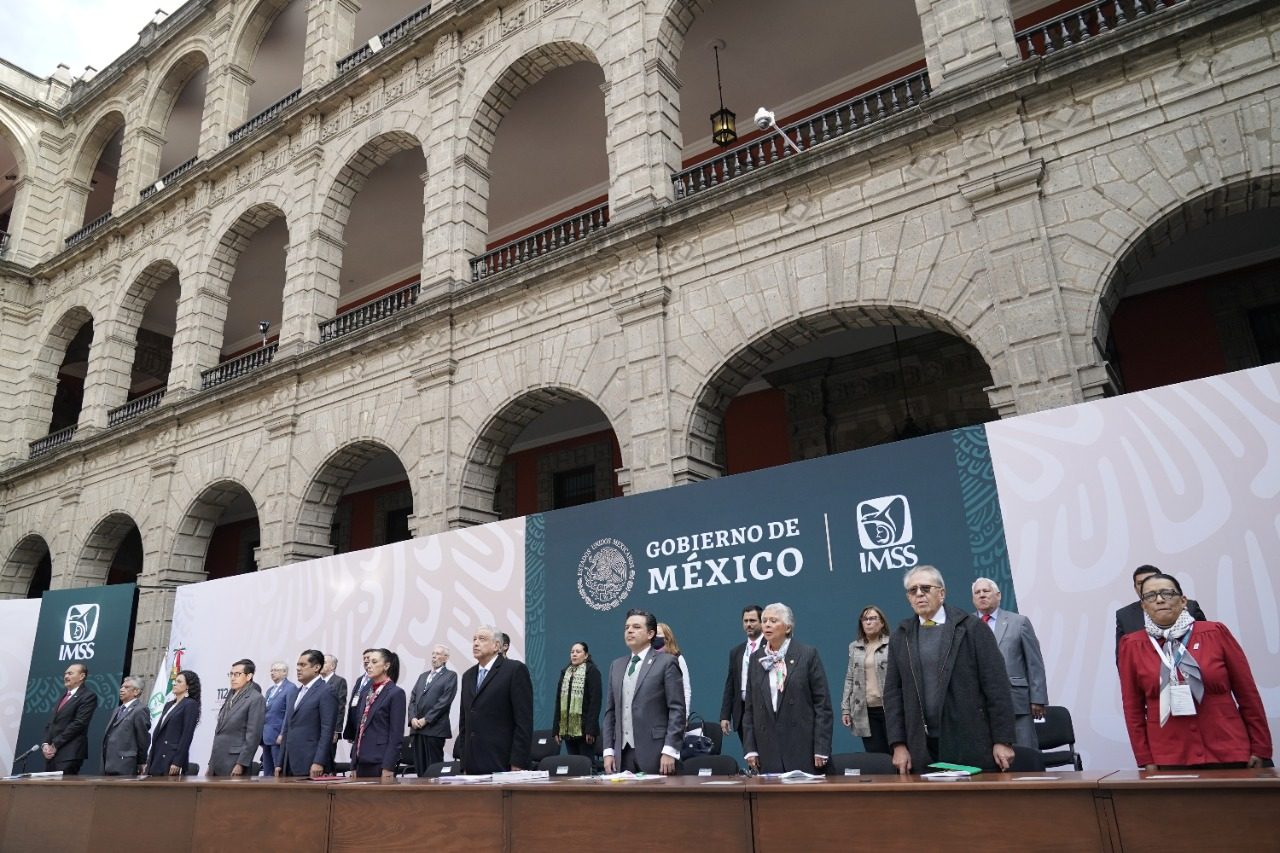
point(885, 533)
point(79, 631)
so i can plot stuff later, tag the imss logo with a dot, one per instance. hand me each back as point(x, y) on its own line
point(79, 631)
point(885, 533)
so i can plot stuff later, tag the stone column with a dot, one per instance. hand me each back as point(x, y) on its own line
point(274, 520)
point(331, 29)
point(433, 513)
point(202, 313)
point(18, 320)
point(142, 148)
point(455, 190)
point(77, 199)
point(966, 39)
point(108, 379)
point(641, 310)
point(313, 259)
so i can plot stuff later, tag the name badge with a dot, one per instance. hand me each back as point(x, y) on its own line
point(1181, 703)
point(704, 771)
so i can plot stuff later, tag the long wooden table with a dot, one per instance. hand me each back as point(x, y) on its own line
point(1009, 811)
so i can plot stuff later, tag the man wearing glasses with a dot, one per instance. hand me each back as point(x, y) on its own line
point(1129, 617)
point(946, 691)
point(239, 730)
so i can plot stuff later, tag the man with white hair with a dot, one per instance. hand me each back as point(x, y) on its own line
point(946, 690)
point(495, 720)
point(128, 736)
point(429, 704)
point(279, 698)
point(1022, 658)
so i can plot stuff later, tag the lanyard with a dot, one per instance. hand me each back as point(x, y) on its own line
point(1171, 658)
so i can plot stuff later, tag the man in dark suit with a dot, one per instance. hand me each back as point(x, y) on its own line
point(786, 722)
point(306, 735)
point(1016, 637)
point(128, 736)
point(429, 704)
point(495, 726)
point(735, 683)
point(946, 691)
point(239, 729)
point(1129, 618)
point(66, 736)
point(354, 709)
point(279, 699)
point(644, 713)
point(337, 687)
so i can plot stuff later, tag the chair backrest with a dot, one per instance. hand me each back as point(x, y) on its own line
point(566, 765)
point(442, 768)
point(193, 769)
point(406, 756)
point(871, 763)
point(711, 729)
point(719, 765)
point(1056, 731)
point(1026, 760)
point(544, 744)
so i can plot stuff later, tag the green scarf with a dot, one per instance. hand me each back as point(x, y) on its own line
point(572, 687)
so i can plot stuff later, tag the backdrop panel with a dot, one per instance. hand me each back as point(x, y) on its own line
point(19, 618)
point(406, 597)
point(1185, 477)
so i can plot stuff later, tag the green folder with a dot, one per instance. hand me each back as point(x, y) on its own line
point(963, 768)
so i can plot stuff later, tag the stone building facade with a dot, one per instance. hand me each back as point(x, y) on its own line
point(1004, 198)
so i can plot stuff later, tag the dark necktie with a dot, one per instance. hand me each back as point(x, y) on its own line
point(635, 659)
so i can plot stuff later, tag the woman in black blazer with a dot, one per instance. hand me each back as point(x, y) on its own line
point(171, 740)
point(380, 718)
point(579, 689)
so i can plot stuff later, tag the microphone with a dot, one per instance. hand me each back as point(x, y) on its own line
point(35, 747)
point(21, 760)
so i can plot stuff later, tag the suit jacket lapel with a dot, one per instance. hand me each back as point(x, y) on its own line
point(493, 670)
point(1002, 627)
point(645, 665)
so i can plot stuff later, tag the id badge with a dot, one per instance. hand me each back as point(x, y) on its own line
point(1181, 704)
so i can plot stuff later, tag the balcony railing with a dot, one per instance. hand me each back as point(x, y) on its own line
point(88, 229)
point(514, 252)
point(370, 312)
point(854, 114)
point(238, 367)
point(387, 37)
point(4, 242)
point(134, 408)
point(167, 178)
point(1079, 25)
point(52, 441)
point(265, 117)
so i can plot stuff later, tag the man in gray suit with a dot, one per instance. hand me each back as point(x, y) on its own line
point(239, 730)
point(644, 714)
point(1022, 658)
point(128, 735)
point(429, 704)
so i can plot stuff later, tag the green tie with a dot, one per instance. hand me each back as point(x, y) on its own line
point(635, 659)
point(929, 623)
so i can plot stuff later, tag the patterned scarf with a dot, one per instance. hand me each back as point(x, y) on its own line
point(374, 690)
point(1175, 646)
point(776, 664)
point(572, 687)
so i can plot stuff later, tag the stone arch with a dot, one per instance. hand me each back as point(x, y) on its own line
point(102, 128)
point(140, 291)
point(479, 481)
point(326, 488)
point(702, 434)
point(222, 260)
point(21, 564)
point(171, 82)
point(355, 172)
point(195, 530)
point(677, 17)
point(48, 363)
point(1175, 221)
point(16, 143)
point(248, 33)
point(100, 547)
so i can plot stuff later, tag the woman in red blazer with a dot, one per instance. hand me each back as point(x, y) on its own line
point(1210, 713)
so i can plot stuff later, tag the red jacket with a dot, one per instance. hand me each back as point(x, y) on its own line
point(1220, 731)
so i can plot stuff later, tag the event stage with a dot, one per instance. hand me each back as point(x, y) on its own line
point(1088, 811)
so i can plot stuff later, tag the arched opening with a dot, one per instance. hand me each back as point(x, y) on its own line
point(219, 535)
point(834, 383)
point(179, 111)
point(76, 329)
point(360, 498)
point(28, 572)
point(278, 54)
point(150, 307)
point(547, 449)
point(11, 174)
point(377, 210)
point(251, 260)
point(98, 167)
point(792, 60)
point(541, 135)
point(112, 553)
point(1198, 293)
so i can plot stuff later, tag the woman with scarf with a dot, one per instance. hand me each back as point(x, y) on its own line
point(578, 698)
point(862, 707)
point(1189, 697)
point(380, 724)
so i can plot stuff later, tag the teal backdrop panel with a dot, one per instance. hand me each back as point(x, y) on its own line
point(826, 536)
point(90, 626)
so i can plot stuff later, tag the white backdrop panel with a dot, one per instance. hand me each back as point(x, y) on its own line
point(19, 618)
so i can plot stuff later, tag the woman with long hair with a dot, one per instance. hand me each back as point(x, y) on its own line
point(578, 699)
point(862, 708)
point(380, 717)
point(171, 739)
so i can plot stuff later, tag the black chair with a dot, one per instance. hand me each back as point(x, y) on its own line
point(442, 768)
point(341, 768)
point(719, 765)
point(1055, 732)
point(871, 763)
point(710, 729)
point(1026, 760)
point(566, 765)
point(255, 768)
point(193, 769)
point(544, 744)
point(405, 763)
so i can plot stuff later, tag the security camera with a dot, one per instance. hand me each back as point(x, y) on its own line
point(263, 326)
point(764, 118)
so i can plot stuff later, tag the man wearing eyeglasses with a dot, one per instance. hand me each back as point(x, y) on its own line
point(1129, 617)
point(946, 690)
point(239, 729)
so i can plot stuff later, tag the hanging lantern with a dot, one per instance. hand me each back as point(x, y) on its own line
point(723, 129)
